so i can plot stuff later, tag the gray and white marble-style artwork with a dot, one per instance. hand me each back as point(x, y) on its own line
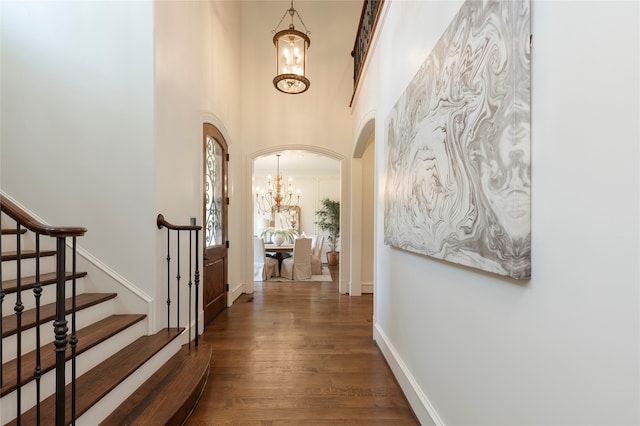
point(458, 177)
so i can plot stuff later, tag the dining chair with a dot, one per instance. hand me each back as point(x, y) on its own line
point(298, 266)
point(263, 267)
point(314, 238)
point(316, 256)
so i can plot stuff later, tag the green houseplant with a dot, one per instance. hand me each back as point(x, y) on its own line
point(329, 221)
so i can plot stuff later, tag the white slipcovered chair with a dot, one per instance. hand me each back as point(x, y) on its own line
point(316, 256)
point(298, 266)
point(263, 267)
point(314, 238)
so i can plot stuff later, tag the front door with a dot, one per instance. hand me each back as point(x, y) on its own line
point(215, 222)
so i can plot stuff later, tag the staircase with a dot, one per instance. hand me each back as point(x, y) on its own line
point(122, 374)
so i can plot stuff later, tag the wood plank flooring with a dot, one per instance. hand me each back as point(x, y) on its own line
point(298, 353)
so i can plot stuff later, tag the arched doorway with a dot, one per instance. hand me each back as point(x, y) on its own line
point(318, 173)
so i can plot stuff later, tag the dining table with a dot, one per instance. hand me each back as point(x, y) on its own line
point(279, 252)
point(282, 248)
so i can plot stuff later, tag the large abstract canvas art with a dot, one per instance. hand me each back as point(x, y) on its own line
point(458, 178)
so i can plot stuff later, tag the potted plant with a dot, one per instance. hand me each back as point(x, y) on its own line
point(279, 235)
point(329, 221)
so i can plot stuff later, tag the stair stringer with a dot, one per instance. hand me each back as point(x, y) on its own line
point(101, 278)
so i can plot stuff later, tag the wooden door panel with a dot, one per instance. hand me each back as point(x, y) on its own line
point(215, 222)
point(214, 288)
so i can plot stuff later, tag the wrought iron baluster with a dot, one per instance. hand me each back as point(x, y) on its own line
point(178, 283)
point(74, 336)
point(37, 293)
point(60, 329)
point(364, 35)
point(197, 281)
point(193, 279)
point(18, 308)
point(190, 284)
point(168, 278)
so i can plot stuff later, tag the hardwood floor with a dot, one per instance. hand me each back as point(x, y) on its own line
point(298, 353)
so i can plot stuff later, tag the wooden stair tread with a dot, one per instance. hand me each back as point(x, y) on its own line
point(26, 254)
point(48, 312)
point(99, 381)
point(170, 395)
point(27, 283)
point(88, 337)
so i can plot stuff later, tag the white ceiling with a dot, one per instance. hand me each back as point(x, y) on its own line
point(296, 163)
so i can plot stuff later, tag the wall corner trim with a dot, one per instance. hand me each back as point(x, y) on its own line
point(419, 402)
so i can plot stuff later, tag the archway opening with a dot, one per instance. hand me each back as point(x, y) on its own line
point(316, 172)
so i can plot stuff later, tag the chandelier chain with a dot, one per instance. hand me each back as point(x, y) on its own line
point(281, 19)
point(291, 12)
point(300, 18)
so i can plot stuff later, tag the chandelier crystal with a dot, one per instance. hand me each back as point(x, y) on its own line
point(278, 196)
point(291, 56)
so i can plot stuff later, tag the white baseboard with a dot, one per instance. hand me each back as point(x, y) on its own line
point(367, 287)
point(234, 293)
point(419, 402)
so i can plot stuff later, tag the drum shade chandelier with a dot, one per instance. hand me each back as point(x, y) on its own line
point(278, 197)
point(291, 56)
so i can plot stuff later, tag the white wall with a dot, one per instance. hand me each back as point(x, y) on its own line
point(472, 348)
point(77, 123)
point(367, 224)
point(102, 111)
point(197, 49)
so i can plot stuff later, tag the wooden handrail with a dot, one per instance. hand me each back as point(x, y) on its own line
point(160, 221)
point(22, 217)
point(62, 339)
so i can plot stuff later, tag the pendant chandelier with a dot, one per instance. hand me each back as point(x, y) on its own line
point(278, 197)
point(291, 56)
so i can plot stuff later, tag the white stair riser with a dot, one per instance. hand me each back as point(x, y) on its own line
point(8, 403)
point(113, 399)
point(84, 362)
point(9, 242)
point(27, 241)
point(84, 317)
point(27, 267)
point(48, 296)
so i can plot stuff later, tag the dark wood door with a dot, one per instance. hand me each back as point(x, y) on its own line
point(215, 222)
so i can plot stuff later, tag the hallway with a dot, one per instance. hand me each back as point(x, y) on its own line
point(298, 353)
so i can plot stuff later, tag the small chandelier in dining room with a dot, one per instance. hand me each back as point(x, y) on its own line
point(278, 196)
point(291, 56)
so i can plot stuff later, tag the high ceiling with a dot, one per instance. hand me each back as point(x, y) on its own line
point(297, 163)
